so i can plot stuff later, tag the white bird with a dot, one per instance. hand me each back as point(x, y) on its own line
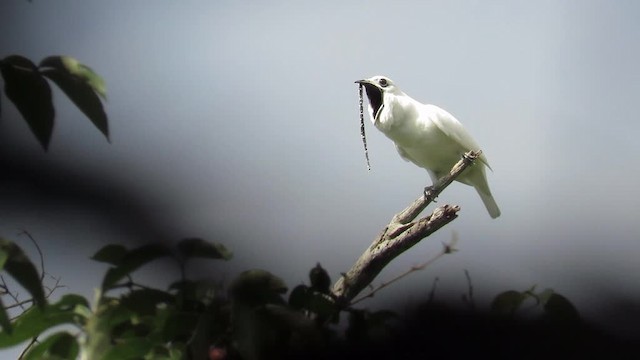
point(426, 135)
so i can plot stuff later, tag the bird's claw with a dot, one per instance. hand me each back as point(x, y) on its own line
point(427, 193)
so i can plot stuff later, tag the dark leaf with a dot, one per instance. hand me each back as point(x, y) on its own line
point(320, 280)
point(201, 292)
point(356, 329)
point(255, 287)
point(508, 302)
point(186, 286)
point(22, 270)
point(544, 296)
point(194, 247)
point(180, 326)
point(132, 261)
point(35, 320)
point(131, 329)
point(383, 317)
point(559, 309)
point(200, 341)
point(145, 301)
point(322, 305)
point(82, 95)
point(31, 94)
point(58, 346)
point(288, 317)
point(111, 254)
point(299, 297)
point(132, 348)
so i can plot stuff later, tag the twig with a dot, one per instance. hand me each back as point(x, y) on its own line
point(468, 298)
point(55, 287)
point(25, 232)
point(13, 296)
point(401, 234)
point(446, 249)
point(26, 349)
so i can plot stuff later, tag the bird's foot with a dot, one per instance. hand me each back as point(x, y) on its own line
point(428, 190)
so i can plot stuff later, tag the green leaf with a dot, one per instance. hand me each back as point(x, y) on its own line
point(35, 320)
point(23, 271)
point(4, 319)
point(110, 254)
point(111, 314)
point(4, 256)
point(74, 67)
point(508, 302)
point(82, 95)
point(132, 261)
point(59, 346)
point(195, 247)
point(31, 94)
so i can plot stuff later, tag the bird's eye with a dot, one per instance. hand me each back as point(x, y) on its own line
point(383, 82)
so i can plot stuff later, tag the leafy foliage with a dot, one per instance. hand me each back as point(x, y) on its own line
point(191, 319)
point(253, 318)
point(36, 320)
point(17, 264)
point(142, 322)
point(27, 88)
point(556, 308)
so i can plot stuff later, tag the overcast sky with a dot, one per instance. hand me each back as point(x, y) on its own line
point(238, 122)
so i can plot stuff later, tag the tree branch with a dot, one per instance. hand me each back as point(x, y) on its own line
point(400, 235)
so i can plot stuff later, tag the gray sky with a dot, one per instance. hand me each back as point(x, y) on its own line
point(238, 122)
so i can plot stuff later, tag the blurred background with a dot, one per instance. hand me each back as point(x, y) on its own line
point(238, 122)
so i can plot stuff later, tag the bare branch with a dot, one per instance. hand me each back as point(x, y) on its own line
point(446, 249)
point(401, 234)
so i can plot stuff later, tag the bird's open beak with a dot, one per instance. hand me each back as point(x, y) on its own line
point(374, 93)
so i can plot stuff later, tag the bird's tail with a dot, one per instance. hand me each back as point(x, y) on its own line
point(489, 203)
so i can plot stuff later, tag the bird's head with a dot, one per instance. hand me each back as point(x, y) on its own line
point(377, 87)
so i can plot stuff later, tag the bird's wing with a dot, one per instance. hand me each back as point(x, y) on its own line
point(451, 127)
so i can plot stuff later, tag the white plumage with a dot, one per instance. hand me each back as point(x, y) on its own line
point(426, 135)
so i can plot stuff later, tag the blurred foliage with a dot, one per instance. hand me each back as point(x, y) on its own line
point(251, 318)
point(26, 86)
point(128, 319)
point(191, 319)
